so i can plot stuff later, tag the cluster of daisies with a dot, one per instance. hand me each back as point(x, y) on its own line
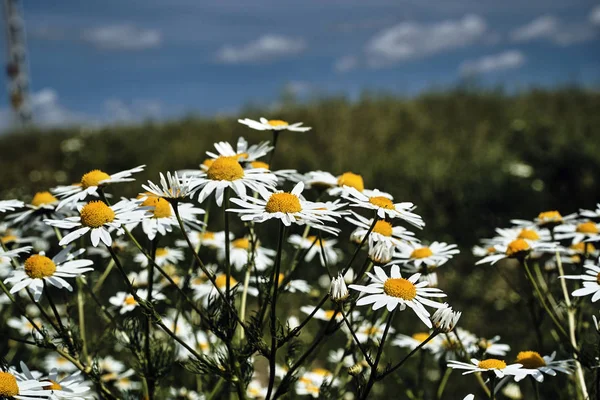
point(159, 253)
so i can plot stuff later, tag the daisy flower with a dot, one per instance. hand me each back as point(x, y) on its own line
point(492, 347)
point(546, 219)
point(492, 365)
point(334, 184)
point(172, 187)
point(537, 366)
point(531, 234)
point(273, 125)
point(413, 341)
point(72, 386)
point(444, 319)
point(395, 291)
point(311, 381)
point(292, 286)
point(26, 328)
point(326, 315)
point(56, 361)
point(591, 282)
point(10, 205)
point(226, 172)
point(243, 152)
point(288, 207)
point(126, 302)
point(578, 233)
point(518, 248)
point(38, 269)
point(205, 291)
point(213, 240)
point(240, 254)
point(317, 247)
point(384, 206)
point(99, 219)
point(436, 254)
point(256, 390)
point(383, 231)
point(42, 203)
point(15, 385)
point(90, 182)
point(163, 255)
point(370, 331)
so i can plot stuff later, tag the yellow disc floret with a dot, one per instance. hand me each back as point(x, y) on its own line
point(548, 217)
point(382, 202)
point(53, 385)
point(587, 227)
point(8, 238)
point(283, 202)
point(38, 266)
point(221, 281)
point(516, 247)
point(95, 214)
point(401, 288)
point(383, 228)
point(8, 385)
point(582, 246)
point(315, 240)
point(43, 198)
point(162, 208)
point(353, 180)
point(420, 336)
point(491, 363)
point(422, 252)
point(161, 252)
point(130, 300)
point(241, 243)
point(529, 234)
point(225, 169)
point(530, 359)
point(93, 178)
point(259, 164)
point(277, 123)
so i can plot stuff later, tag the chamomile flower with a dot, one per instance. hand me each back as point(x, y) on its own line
point(58, 362)
point(39, 269)
point(537, 366)
point(99, 219)
point(413, 341)
point(242, 152)
point(591, 282)
point(226, 172)
point(395, 291)
point(317, 247)
point(205, 291)
point(311, 381)
point(384, 206)
point(25, 327)
point(126, 302)
point(493, 347)
point(173, 187)
point(383, 231)
point(72, 386)
point(546, 219)
point(290, 208)
point(436, 254)
point(164, 255)
point(326, 315)
point(518, 248)
point(366, 331)
point(577, 232)
point(15, 385)
point(532, 234)
point(10, 205)
point(213, 240)
point(334, 184)
point(256, 390)
point(6, 256)
point(490, 365)
point(90, 182)
point(292, 286)
point(590, 213)
point(41, 204)
point(273, 125)
point(444, 319)
point(240, 254)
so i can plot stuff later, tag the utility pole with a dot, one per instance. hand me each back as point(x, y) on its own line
point(17, 69)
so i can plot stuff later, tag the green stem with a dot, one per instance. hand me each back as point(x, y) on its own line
point(443, 382)
point(373, 375)
point(81, 311)
point(409, 355)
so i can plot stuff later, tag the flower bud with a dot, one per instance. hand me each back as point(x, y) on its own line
point(355, 370)
point(444, 319)
point(338, 291)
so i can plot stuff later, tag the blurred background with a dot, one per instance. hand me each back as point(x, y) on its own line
point(476, 111)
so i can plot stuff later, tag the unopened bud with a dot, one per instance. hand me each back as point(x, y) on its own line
point(338, 291)
point(444, 319)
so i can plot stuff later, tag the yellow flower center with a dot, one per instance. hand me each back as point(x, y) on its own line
point(277, 122)
point(383, 228)
point(283, 202)
point(321, 371)
point(516, 246)
point(259, 164)
point(93, 178)
point(530, 359)
point(221, 281)
point(225, 169)
point(95, 214)
point(529, 234)
point(54, 385)
point(550, 216)
point(8, 385)
point(208, 162)
point(580, 247)
point(420, 336)
point(491, 250)
point(372, 330)
point(328, 313)
point(587, 227)
point(382, 202)
point(242, 243)
point(130, 300)
point(38, 266)
point(401, 288)
point(423, 252)
point(162, 208)
point(161, 251)
point(43, 198)
point(206, 235)
point(491, 363)
point(280, 278)
point(8, 238)
point(316, 240)
point(598, 278)
point(353, 180)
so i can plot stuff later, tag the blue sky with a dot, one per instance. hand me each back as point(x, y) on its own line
point(122, 61)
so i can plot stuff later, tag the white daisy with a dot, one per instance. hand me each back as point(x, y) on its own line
point(227, 172)
point(537, 366)
point(366, 331)
point(591, 281)
point(493, 347)
point(99, 219)
point(56, 361)
point(334, 184)
point(577, 232)
point(317, 247)
point(546, 219)
point(10, 205)
point(444, 319)
point(213, 240)
point(72, 386)
point(498, 367)
point(256, 390)
point(205, 291)
point(384, 206)
point(413, 341)
point(395, 291)
point(38, 269)
point(243, 152)
point(436, 254)
point(507, 235)
point(126, 302)
point(288, 207)
point(171, 187)
point(90, 182)
point(41, 204)
point(25, 327)
point(518, 248)
point(123, 381)
point(161, 216)
point(240, 254)
point(15, 385)
point(311, 381)
point(383, 231)
point(273, 125)
point(163, 255)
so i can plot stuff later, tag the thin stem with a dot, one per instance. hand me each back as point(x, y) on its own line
point(409, 355)
point(443, 382)
point(373, 375)
point(492, 386)
point(227, 248)
point(362, 349)
point(151, 383)
point(81, 312)
point(104, 275)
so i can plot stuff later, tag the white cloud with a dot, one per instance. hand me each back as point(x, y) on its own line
point(547, 27)
point(265, 48)
point(122, 37)
point(409, 40)
point(595, 15)
point(345, 64)
point(119, 111)
point(510, 59)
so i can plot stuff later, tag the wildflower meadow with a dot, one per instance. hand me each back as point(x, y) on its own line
point(240, 272)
